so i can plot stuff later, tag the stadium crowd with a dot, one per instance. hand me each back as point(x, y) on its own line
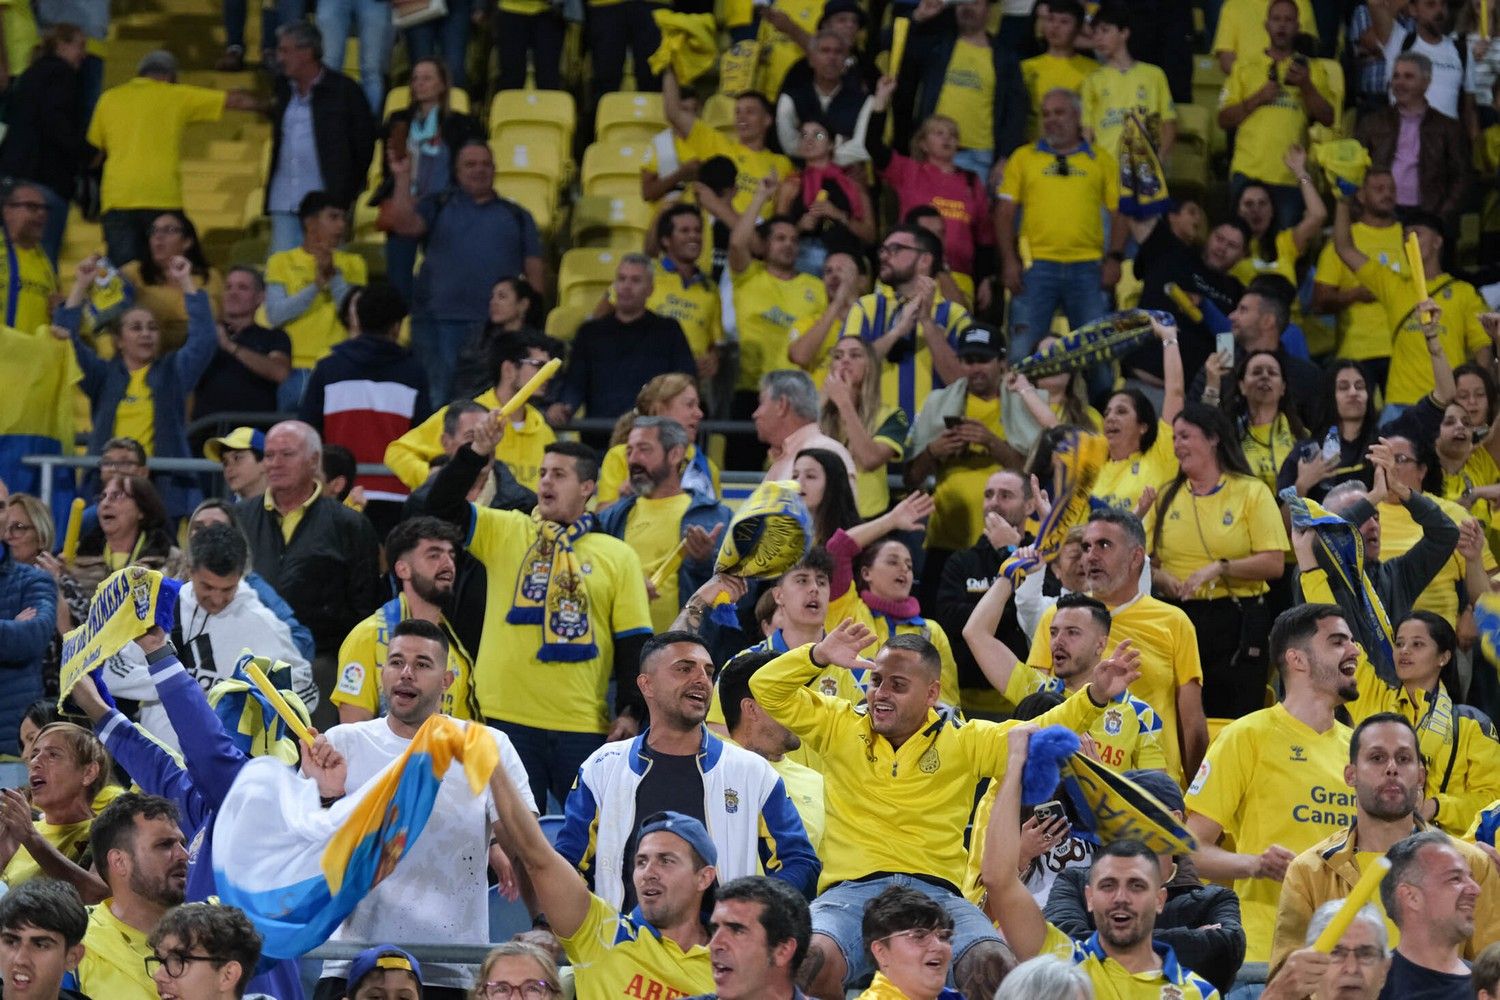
point(918, 259)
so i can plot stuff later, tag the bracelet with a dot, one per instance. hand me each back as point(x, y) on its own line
point(1169, 343)
point(1210, 395)
point(1304, 179)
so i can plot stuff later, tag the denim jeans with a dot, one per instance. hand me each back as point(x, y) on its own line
point(445, 38)
point(286, 232)
point(289, 392)
point(551, 758)
point(400, 262)
point(978, 160)
point(437, 343)
point(1047, 286)
point(57, 222)
point(372, 20)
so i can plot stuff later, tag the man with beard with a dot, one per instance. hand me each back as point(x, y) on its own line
point(1124, 895)
point(1388, 776)
point(675, 532)
point(1273, 781)
point(1171, 681)
point(676, 765)
point(439, 891)
point(423, 555)
point(1364, 331)
point(142, 855)
point(1431, 896)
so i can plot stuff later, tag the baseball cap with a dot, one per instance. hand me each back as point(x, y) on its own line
point(1161, 785)
point(833, 7)
point(239, 439)
point(686, 827)
point(980, 341)
point(382, 956)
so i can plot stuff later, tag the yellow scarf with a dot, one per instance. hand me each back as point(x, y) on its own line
point(550, 592)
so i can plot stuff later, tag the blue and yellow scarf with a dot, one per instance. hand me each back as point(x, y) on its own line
point(550, 592)
point(1095, 343)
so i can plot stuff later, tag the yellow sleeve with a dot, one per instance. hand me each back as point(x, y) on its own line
point(1380, 281)
point(1162, 98)
point(1149, 754)
point(630, 611)
point(1187, 667)
point(1293, 911)
point(1306, 19)
point(410, 455)
point(1224, 778)
point(102, 112)
point(498, 531)
point(201, 104)
point(1267, 532)
point(1111, 180)
point(1487, 908)
point(1481, 780)
point(1233, 91)
point(1041, 641)
point(355, 271)
point(781, 688)
point(1024, 680)
point(706, 141)
point(358, 681)
point(1078, 713)
point(1226, 35)
point(593, 938)
point(1330, 270)
point(1012, 183)
point(612, 472)
point(1090, 95)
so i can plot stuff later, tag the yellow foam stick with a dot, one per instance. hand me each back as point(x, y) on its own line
point(1363, 890)
point(1418, 274)
point(661, 571)
point(1184, 302)
point(899, 27)
point(75, 528)
point(536, 382)
point(258, 676)
point(1484, 19)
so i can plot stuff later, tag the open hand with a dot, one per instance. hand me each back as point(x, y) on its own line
point(842, 646)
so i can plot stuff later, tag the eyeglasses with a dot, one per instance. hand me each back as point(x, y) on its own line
point(167, 231)
point(1366, 955)
point(922, 936)
point(114, 495)
point(175, 963)
point(891, 249)
point(18, 528)
point(531, 989)
point(1403, 460)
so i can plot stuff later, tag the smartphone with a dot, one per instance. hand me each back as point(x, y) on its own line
point(1047, 812)
point(951, 422)
point(1224, 345)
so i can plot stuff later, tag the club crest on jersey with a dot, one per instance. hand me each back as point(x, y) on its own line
point(1171, 991)
point(929, 762)
point(1228, 519)
point(828, 686)
point(731, 801)
point(1114, 721)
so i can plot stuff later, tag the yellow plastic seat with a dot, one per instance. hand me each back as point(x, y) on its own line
point(540, 107)
point(563, 322)
point(617, 221)
point(623, 115)
point(400, 97)
point(585, 273)
point(539, 154)
point(538, 195)
point(614, 169)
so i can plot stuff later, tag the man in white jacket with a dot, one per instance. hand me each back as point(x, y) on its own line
point(218, 618)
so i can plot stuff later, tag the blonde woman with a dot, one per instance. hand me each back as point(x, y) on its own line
point(517, 970)
point(854, 416)
point(674, 396)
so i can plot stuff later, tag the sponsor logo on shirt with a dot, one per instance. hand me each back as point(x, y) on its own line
point(1199, 779)
point(978, 584)
point(1298, 754)
point(1329, 807)
point(352, 678)
point(646, 988)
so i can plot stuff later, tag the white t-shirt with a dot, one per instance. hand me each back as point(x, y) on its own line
point(1447, 67)
point(438, 891)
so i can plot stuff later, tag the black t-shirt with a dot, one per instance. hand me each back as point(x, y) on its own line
point(227, 385)
point(672, 782)
point(1409, 981)
point(1164, 258)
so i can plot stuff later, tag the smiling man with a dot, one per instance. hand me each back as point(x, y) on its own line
point(678, 765)
point(42, 924)
point(1431, 896)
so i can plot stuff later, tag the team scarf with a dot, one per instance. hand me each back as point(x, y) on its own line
point(1486, 824)
point(550, 592)
point(689, 45)
point(249, 720)
point(1111, 807)
point(1076, 461)
point(1343, 551)
point(1143, 182)
point(1487, 620)
point(769, 534)
point(124, 608)
point(1345, 163)
point(1099, 342)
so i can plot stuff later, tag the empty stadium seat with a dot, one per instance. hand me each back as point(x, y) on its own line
point(622, 117)
point(585, 273)
point(614, 169)
point(564, 321)
point(538, 195)
point(524, 149)
point(539, 107)
point(605, 220)
point(400, 97)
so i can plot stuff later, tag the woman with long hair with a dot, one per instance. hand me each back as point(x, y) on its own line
point(1140, 455)
point(172, 234)
point(1066, 400)
point(1345, 414)
point(1273, 249)
point(132, 531)
point(823, 483)
point(515, 307)
point(832, 208)
point(1470, 476)
point(1216, 538)
point(854, 416)
point(673, 395)
point(1259, 407)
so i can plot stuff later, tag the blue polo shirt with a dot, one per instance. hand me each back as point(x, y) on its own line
point(469, 247)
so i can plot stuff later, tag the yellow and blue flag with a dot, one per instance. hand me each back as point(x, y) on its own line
point(249, 719)
point(297, 869)
point(1095, 343)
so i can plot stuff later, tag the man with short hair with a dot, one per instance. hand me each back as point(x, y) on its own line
point(306, 284)
point(25, 296)
point(614, 355)
point(1355, 969)
point(674, 531)
point(1389, 777)
point(1125, 895)
point(1272, 780)
point(1431, 167)
point(682, 291)
point(900, 780)
point(758, 934)
point(138, 125)
point(1428, 36)
point(252, 361)
point(1430, 895)
point(203, 951)
point(1063, 188)
point(241, 454)
point(786, 421)
point(1258, 321)
point(422, 553)
point(42, 924)
point(828, 94)
point(911, 327)
point(1363, 331)
point(368, 392)
point(1125, 86)
point(749, 150)
point(321, 556)
point(958, 438)
point(218, 617)
point(472, 237)
point(554, 636)
point(1060, 66)
point(676, 764)
point(322, 133)
point(438, 893)
point(142, 856)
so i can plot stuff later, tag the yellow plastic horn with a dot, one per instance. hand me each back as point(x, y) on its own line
point(526, 391)
point(293, 722)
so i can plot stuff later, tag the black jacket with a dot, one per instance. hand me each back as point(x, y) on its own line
point(364, 358)
point(1012, 103)
point(967, 575)
point(330, 571)
point(1215, 953)
point(45, 142)
point(343, 131)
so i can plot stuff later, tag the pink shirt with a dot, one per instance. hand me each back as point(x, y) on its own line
point(959, 195)
point(1404, 164)
point(806, 436)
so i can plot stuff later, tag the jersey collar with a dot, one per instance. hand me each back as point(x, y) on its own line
point(710, 749)
point(1083, 147)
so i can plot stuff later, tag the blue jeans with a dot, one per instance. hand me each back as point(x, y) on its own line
point(1047, 286)
point(289, 393)
point(437, 343)
point(286, 232)
point(551, 758)
point(372, 20)
point(57, 222)
point(445, 38)
point(838, 913)
point(978, 160)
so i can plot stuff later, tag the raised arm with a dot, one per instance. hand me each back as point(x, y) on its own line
point(1343, 237)
point(560, 890)
point(405, 220)
point(742, 236)
point(1314, 212)
point(995, 659)
point(1007, 900)
point(678, 115)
